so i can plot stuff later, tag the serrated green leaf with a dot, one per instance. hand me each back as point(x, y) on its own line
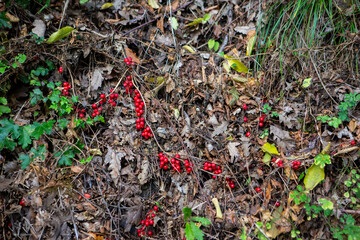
point(211, 43)
point(204, 221)
point(326, 204)
point(174, 23)
point(271, 149)
point(315, 174)
point(60, 34)
point(25, 135)
point(187, 213)
point(193, 232)
point(106, 5)
point(8, 127)
point(25, 160)
point(39, 152)
point(306, 83)
point(66, 157)
point(188, 232)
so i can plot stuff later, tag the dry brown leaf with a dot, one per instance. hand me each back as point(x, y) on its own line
point(130, 53)
point(234, 153)
point(160, 24)
point(76, 169)
point(268, 193)
point(352, 125)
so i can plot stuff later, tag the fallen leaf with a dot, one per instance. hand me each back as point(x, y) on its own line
point(189, 48)
point(315, 174)
point(106, 5)
point(154, 4)
point(60, 34)
point(236, 64)
point(269, 148)
point(130, 53)
point(39, 28)
point(234, 153)
point(174, 23)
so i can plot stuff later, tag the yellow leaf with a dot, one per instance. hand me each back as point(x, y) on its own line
point(61, 33)
point(239, 79)
point(189, 48)
point(226, 66)
point(217, 207)
point(267, 158)
point(250, 45)
point(271, 149)
point(236, 64)
point(106, 5)
point(195, 22)
point(154, 4)
point(314, 176)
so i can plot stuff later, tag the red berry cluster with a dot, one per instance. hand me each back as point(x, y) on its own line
point(128, 84)
point(212, 167)
point(279, 163)
point(129, 61)
point(149, 221)
point(261, 120)
point(147, 133)
point(175, 163)
point(230, 182)
point(67, 87)
point(61, 69)
point(295, 164)
point(245, 120)
point(81, 112)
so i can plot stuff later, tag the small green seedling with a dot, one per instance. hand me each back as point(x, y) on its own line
point(192, 230)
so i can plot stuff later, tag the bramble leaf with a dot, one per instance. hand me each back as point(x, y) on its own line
point(25, 135)
point(187, 213)
point(25, 160)
point(204, 221)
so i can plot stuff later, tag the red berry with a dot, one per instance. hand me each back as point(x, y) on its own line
point(102, 96)
point(177, 156)
point(261, 124)
point(100, 109)
point(248, 134)
point(22, 203)
point(142, 222)
point(353, 142)
point(61, 69)
point(245, 119)
point(166, 167)
point(277, 204)
point(83, 110)
point(245, 107)
point(232, 185)
point(213, 165)
point(147, 223)
point(295, 167)
point(273, 159)
point(150, 233)
point(128, 77)
point(94, 105)
point(93, 114)
point(261, 119)
point(153, 215)
point(113, 104)
point(156, 208)
point(81, 115)
point(139, 230)
point(151, 222)
point(65, 84)
point(258, 189)
point(214, 176)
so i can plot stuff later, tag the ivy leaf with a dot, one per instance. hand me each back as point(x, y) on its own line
point(25, 135)
point(25, 160)
point(204, 221)
point(187, 213)
point(322, 159)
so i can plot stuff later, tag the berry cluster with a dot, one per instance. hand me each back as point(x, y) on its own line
point(129, 61)
point(175, 163)
point(128, 84)
point(81, 112)
point(212, 167)
point(146, 133)
point(295, 164)
point(67, 87)
point(149, 221)
point(279, 163)
point(247, 134)
point(230, 182)
point(261, 120)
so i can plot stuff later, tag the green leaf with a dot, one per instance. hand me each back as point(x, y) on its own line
point(66, 157)
point(335, 122)
point(306, 83)
point(3, 101)
point(62, 123)
point(60, 34)
point(322, 159)
point(25, 135)
point(315, 174)
point(237, 65)
point(211, 43)
point(326, 204)
point(41, 128)
point(21, 58)
point(8, 127)
point(270, 149)
point(187, 213)
point(4, 109)
point(267, 158)
point(83, 1)
point(206, 18)
point(204, 221)
point(25, 160)
point(106, 5)
point(4, 21)
point(193, 232)
point(174, 23)
point(51, 85)
point(39, 153)
point(216, 46)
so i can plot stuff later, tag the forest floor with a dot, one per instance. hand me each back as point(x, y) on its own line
point(171, 120)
